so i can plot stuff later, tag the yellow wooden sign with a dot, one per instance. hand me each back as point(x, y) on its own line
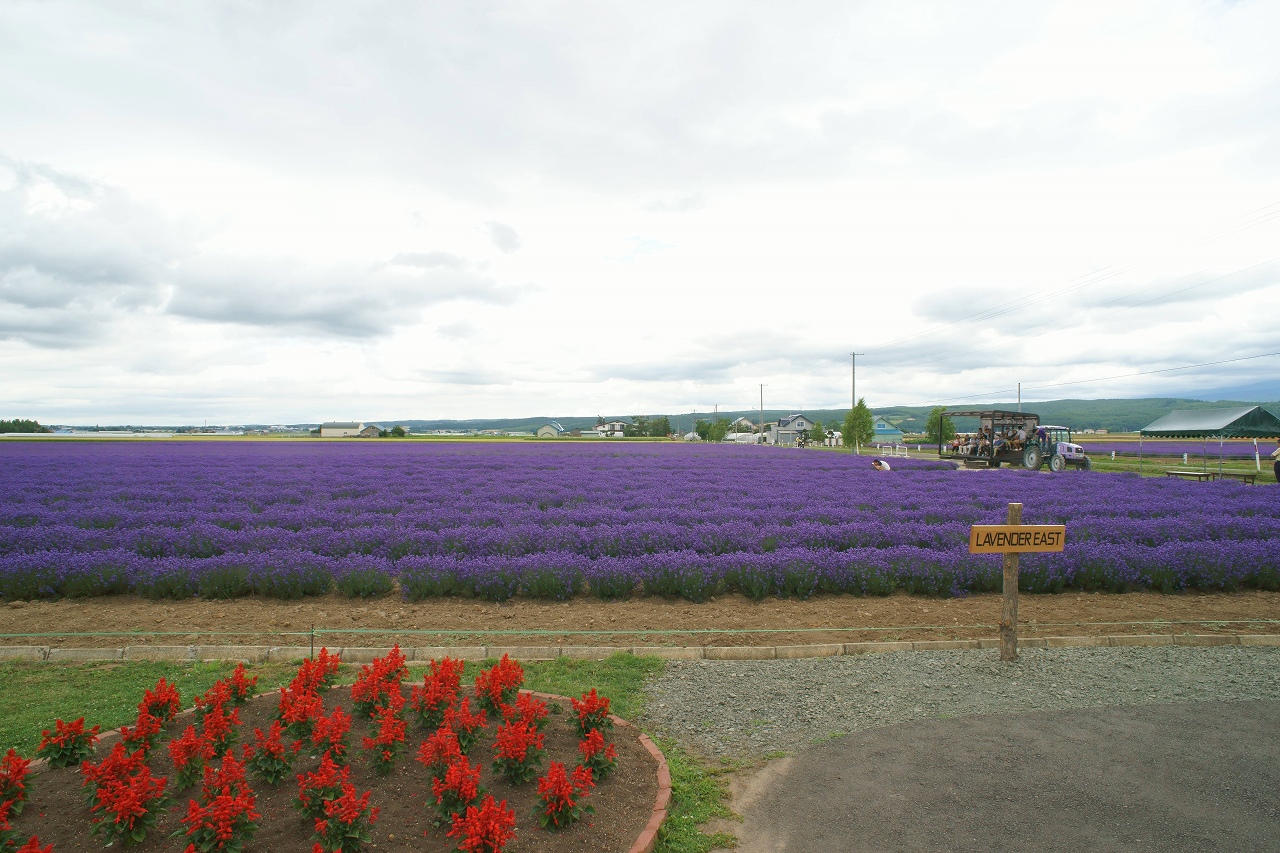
point(1016, 538)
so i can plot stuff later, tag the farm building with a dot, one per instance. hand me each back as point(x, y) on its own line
point(886, 433)
point(371, 431)
point(340, 429)
point(551, 430)
point(742, 424)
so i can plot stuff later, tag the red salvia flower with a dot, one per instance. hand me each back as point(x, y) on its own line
point(33, 846)
point(498, 685)
point(598, 755)
point(325, 783)
point(438, 691)
point(347, 822)
point(241, 688)
point(140, 735)
point(269, 758)
point(190, 753)
point(486, 829)
point(517, 750)
point(592, 711)
point(389, 741)
point(161, 701)
point(465, 724)
point(440, 750)
point(126, 797)
point(458, 788)
point(527, 708)
point(68, 744)
point(13, 780)
point(331, 733)
point(557, 790)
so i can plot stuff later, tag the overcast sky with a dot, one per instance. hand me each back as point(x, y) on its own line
point(285, 211)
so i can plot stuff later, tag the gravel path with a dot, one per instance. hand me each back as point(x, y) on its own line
point(749, 709)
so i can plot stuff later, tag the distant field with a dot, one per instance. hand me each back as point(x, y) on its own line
point(491, 521)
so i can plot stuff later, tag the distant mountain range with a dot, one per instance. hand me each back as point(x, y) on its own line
point(1113, 415)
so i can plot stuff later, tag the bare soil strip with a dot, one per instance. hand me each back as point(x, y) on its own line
point(255, 621)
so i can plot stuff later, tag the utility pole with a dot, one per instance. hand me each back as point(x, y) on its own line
point(853, 372)
point(761, 412)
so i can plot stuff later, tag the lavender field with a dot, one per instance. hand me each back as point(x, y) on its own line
point(175, 520)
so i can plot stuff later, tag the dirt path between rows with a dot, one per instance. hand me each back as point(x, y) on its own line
point(255, 621)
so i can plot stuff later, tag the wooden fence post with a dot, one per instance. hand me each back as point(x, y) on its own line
point(1009, 612)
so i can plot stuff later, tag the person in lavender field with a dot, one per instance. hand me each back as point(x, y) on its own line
point(881, 465)
point(1275, 467)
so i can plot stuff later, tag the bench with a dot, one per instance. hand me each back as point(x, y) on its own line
point(1191, 475)
point(1243, 476)
point(970, 462)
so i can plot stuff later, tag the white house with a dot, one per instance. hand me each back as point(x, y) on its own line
point(371, 431)
point(786, 432)
point(742, 424)
point(612, 429)
point(340, 429)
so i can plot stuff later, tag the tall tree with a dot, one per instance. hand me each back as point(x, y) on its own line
point(859, 426)
point(939, 429)
point(718, 430)
point(660, 427)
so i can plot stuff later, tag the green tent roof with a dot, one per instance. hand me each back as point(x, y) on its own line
point(1240, 422)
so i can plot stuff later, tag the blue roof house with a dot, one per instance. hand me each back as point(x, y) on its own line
point(887, 433)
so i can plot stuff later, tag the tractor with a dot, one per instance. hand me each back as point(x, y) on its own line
point(1013, 438)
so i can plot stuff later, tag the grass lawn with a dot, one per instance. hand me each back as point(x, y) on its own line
point(106, 694)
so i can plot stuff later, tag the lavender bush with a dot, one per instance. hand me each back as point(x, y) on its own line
point(176, 520)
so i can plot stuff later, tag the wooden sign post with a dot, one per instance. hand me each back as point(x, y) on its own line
point(1012, 539)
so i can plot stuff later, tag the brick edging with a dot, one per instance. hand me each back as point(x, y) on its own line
point(282, 654)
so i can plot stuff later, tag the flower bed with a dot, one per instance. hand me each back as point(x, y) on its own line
point(491, 522)
point(344, 801)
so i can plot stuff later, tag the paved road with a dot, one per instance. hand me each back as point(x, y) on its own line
point(1167, 778)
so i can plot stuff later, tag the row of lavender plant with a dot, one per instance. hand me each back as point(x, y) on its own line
point(288, 520)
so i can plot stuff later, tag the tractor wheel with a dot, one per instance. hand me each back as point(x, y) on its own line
point(1032, 459)
point(1086, 464)
point(1057, 463)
